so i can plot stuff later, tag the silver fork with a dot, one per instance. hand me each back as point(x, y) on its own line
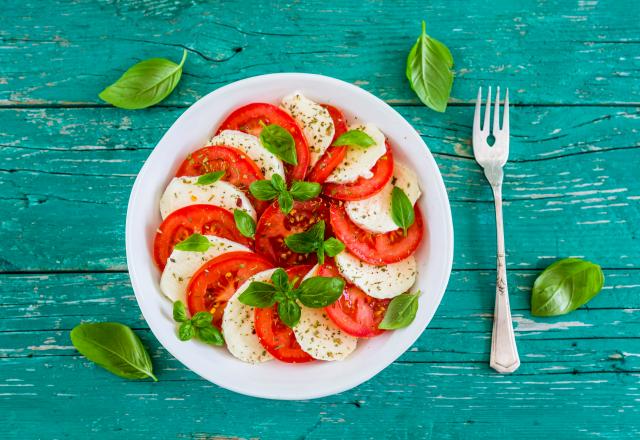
point(504, 353)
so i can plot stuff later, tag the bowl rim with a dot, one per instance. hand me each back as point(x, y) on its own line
point(445, 254)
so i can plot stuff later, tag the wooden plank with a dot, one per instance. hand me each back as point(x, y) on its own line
point(568, 187)
point(552, 52)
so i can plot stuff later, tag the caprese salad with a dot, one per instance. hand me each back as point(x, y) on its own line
point(290, 235)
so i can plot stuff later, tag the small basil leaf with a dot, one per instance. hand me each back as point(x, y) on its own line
point(258, 294)
point(356, 138)
point(401, 209)
point(333, 246)
point(280, 142)
point(320, 254)
point(263, 190)
point(144, 84)
point(286, 202)
point(186, 331)
point(401, 311)
point(289, 312)
point(564, 286)
point(201, 319)
point(278, 183)
point(115, 347)
point(209, 178)
point(429, 71)
point(245, 224)
point(280, 279)
point(210, 335)
point(195, 243)
point(318, 292)
point(179, 312)
point(305, 190)
point(307, 241)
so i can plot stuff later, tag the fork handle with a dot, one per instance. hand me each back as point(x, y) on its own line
point(504, 352)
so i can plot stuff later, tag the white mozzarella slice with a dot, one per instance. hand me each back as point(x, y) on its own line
point(319, 336)
point(183, 191)
point(359, 161)
point(238, 325)
point(374, 213)
point(268, 163)
point(181, 266)
point(381, 282)
point(315, 121)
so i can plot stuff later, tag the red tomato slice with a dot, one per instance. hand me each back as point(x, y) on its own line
point(277, 338)
point(333, 155)
point(372, 248)
point(355, 312)
point(364, 188)
point(201, 219)
point(274, 226)
point(239, 169)
point(217, 280)
point(248, 119)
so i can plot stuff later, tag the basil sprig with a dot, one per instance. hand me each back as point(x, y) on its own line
point(199, 326)
point(210, 178)
point(194, 243)
point(564, 286)
point(312, 240)
point(429, 71)
point(144, 84)
point(401, 311)
point(276, 187)
point(402, 212)
point(314, 292)
point(279, 141)
point(356, 138)
point(115, 347)
point(245, 223)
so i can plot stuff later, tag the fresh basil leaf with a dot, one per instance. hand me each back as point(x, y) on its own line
point(318, 292)
point(280, 279)
point(186, 331)
point(305, 190)
point(179, 312)
point(286, 202)
point(307, 241)
point(263, 190)
point(245, 224)
point(145, 84)
point(401, 311)
point(258, 294)
point(289, 312)
point(357, 138)
point(210, 335)
point(201, 319)
point(564, 286)
point(401, 209)
point(115, 347)
point(429, 71)
point(195, 243)
point(278, 183)
point(333, 246)
point(209, 178)
point(280, 142)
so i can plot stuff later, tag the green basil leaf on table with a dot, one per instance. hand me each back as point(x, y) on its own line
point(289, 312)
point(263, 190)
point(194, 243)
point(210, 335)
point(179, 312)
point(305, 190)
point(401, 311)
point(401, 209)
point(318, 292)
point(186, 331)
point(209, 178)
point(564, 286)
point(429, 71)
point(144, 84)
point(357, 138)
point(201, 319)
point(279, 141)
point(258, 294)
point(245, 224)
point(286, 202)
point(114, 347)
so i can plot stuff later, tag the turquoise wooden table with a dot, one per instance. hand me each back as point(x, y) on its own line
point(68, 161)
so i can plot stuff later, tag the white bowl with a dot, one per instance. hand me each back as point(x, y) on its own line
point(278, 380)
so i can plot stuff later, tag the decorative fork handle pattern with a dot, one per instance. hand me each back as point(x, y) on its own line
point(504, 353)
